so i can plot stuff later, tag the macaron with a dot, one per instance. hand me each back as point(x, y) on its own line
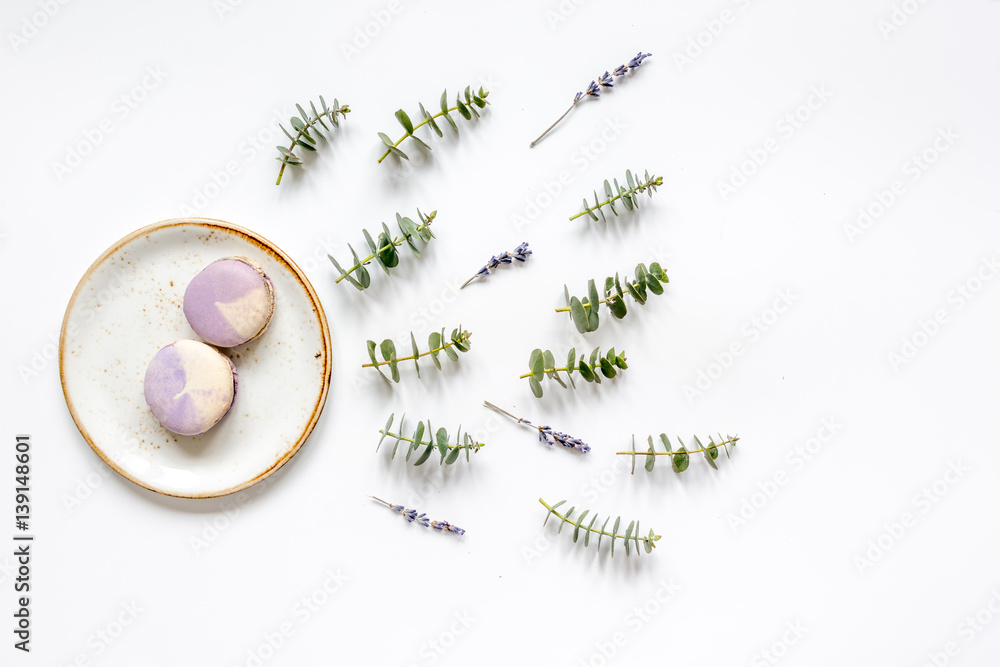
point(230, 302)
point(190, 386)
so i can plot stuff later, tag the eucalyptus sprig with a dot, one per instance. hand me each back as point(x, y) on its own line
point(302, 124)
point(543, 364)
point(437, 442)
point(680, 459)
point(585, 310)
point(631, 538)
point(628, 196)
point(466, 109)
point(384, 252)
point(436, 342)
point(594, 89)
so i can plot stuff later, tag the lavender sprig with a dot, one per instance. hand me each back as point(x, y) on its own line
point(606, 80)
point(520, 253)
point(545, 433)
point(412, 516)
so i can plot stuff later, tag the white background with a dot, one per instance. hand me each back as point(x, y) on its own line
point(211, 582)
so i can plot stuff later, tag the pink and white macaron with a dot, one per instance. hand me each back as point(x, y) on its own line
point(230, 302)
point(190, 386)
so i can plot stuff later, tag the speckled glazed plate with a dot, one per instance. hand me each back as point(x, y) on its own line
point(129, 304)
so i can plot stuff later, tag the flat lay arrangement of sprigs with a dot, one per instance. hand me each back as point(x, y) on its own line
point(416, 444)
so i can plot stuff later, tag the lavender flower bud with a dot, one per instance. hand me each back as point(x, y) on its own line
point(606, 80)
point(594, 89)
point(444, 525)
point(635, 62)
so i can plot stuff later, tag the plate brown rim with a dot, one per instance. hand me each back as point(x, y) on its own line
point(264, 245)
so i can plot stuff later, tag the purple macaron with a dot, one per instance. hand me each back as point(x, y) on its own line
point(230, 302)
point(190, 386)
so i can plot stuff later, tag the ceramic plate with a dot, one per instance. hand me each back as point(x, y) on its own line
point(129, 304)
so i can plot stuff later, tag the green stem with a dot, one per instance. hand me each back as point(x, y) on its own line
point(414, 356)
point(593, 530)
point(415, 128)
point(728, 441)
point(309, 124)
point(639, 188)
point(635, 284)
point(398, 241)
point(471, 445)
point(546, 371)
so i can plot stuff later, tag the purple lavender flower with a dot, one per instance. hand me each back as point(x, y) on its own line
point(635, 62)
point(445, 526)
point(411, 516)
point(546, 434)
point(550, 437)
point(520, 254)
point(606, 80)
